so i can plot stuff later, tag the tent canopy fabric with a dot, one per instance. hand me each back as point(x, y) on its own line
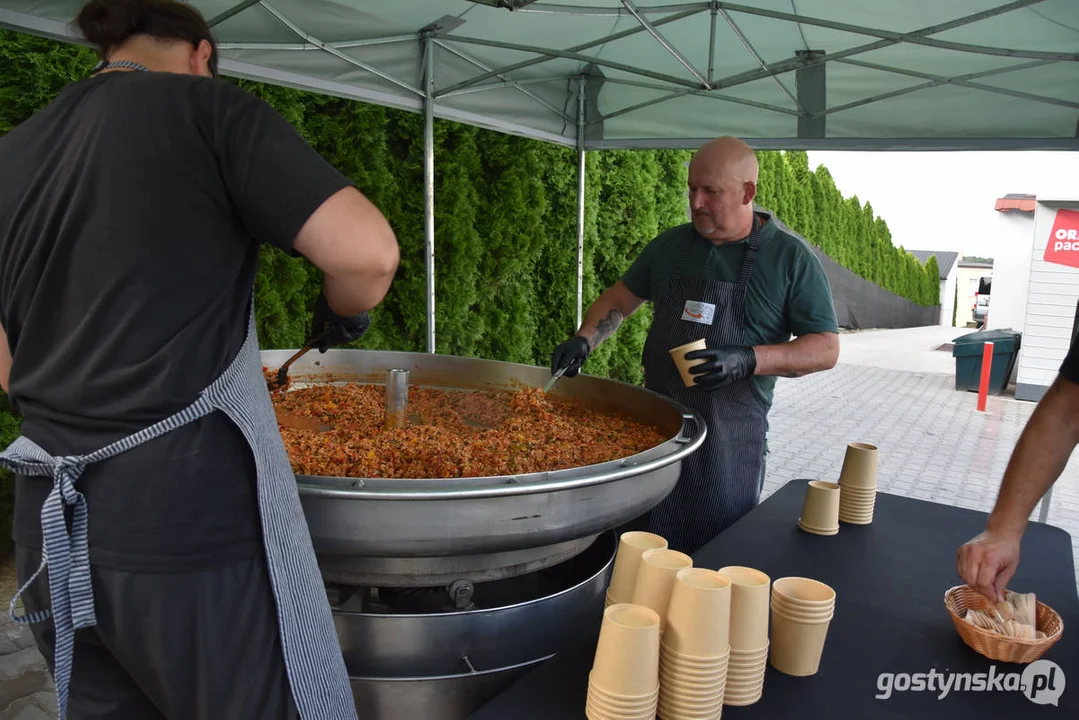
point(813, 74)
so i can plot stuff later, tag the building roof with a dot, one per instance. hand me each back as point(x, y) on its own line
point(945, 260)
point(973, 264)
point(1017, 202)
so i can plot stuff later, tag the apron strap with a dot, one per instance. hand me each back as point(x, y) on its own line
point(67, 555)
point(751, 253)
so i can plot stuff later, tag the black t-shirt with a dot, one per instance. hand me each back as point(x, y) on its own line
point(1070, 367)
point(131, 212)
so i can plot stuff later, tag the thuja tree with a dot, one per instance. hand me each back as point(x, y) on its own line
point(505, 219)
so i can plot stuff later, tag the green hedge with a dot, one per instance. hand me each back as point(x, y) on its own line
point(505, 219)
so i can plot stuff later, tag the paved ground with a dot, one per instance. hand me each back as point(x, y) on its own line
point(934, 444)
point(891, 388)
point(909, 349)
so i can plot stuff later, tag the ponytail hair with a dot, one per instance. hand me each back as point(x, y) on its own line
point(108, 24)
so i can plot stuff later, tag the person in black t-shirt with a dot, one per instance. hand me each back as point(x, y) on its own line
point(989, 561)
point(131, 213)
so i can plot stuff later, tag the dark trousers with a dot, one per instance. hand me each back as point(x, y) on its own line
point(199, 645)
point(640, 523)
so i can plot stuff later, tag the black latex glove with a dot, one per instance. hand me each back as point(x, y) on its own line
point(570, 355)
point(338, 330)
point(723, 366)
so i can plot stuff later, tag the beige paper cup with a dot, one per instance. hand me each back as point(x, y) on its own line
point(678, 354)
point(627, 654)
point(689, 673)
point(820, 509)
point(615, 708)
point(688, 680)
point(665, 652)
point(655, 580)
point(610, 712)
point(596, 709)
point(851, 492)
point(631, 545)
point(750, 593)
point(699, 614)
point(859, 466)
point(797, 647)
point(674, 687)
point(670, 708)
point(802, 592)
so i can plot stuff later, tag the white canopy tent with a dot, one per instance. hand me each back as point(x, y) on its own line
point(812, 74)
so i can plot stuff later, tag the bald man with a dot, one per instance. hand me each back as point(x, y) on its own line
point(741, 280)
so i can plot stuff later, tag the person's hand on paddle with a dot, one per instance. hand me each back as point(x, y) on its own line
point(988, 562)
point(335, 329)
point(570, 355)
point(723, 365)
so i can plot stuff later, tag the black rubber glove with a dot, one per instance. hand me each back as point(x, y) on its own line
point(723, 366)
point(338, 330)
point(570, 355)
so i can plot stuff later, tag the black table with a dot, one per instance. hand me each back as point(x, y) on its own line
point(890, 578)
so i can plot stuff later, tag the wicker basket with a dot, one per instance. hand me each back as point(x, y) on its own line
point(992, 645)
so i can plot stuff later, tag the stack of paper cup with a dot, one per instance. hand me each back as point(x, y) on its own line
point(678, 354)
point(631, 545)
point(820, 511)
point(695, 647)
point(655, 580)
point(858, 484)
point(802, 610)
point(624, 682)
point(748, 636)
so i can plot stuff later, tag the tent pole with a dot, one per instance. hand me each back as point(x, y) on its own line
point(429, 183)
point(580, 197)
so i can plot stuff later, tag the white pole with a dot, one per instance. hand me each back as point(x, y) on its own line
point(429, 185)
point(580, 197)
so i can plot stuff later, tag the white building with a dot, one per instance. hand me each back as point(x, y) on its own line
point(947, 262)
point(1036, 285)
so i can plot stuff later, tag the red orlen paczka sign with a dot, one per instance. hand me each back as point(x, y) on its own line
point(1063, 245)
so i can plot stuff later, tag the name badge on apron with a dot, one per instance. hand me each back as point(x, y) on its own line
point(699, 312)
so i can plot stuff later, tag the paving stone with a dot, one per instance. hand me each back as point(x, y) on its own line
point(934, 443)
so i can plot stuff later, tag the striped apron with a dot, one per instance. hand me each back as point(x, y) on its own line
point(312, 654)
point(723, 479)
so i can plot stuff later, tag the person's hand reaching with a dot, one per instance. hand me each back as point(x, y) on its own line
point(988, 562)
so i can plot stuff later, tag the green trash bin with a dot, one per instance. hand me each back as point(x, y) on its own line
point(967, 351)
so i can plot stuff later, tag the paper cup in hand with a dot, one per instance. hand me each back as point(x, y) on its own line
point(678, 354)
point(631, 545)
point(655, 580)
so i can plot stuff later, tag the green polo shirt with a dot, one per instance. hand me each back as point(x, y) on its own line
point(788, 293)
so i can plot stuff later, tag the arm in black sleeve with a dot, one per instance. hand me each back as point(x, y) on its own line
point(275, 179)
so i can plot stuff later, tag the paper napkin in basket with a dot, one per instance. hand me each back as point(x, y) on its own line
point(1015, 616)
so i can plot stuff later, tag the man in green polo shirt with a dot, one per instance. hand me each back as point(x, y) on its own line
point(739, 279)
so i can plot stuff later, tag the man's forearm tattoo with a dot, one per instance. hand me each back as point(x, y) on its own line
point(605, 328)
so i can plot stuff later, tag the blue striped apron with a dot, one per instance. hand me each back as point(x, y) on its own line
point(312, 654)
point(722, 480)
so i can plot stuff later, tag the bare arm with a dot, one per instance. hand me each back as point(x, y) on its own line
point(1038, 459)
point(5, 361)
point(988, 562)
point(607, 313)
point(804, 355)
point(355, 247)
